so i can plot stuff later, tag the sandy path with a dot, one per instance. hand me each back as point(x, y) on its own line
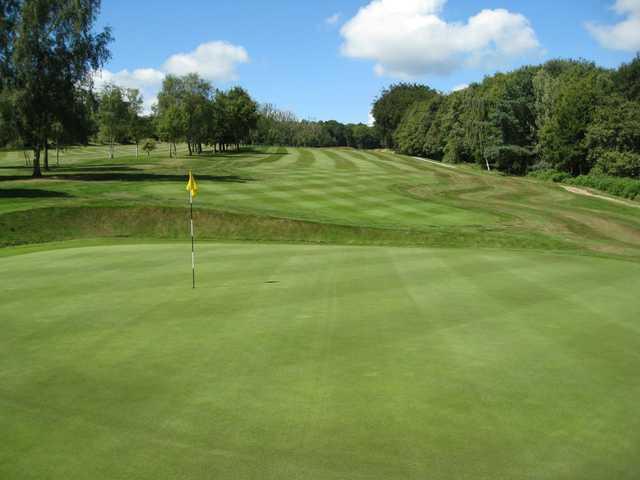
point(587, 193)
point(434, 162)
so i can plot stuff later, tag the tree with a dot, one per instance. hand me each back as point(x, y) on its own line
point(241, 115)
point(410, 135)
point(54, 53)
point(136, 128)
point(171, 127)
point(392, 104)
point(627, 79)
point(114, 116)
point(562, 139)
point(170, 113)
point(149, 146)
point(9, 16)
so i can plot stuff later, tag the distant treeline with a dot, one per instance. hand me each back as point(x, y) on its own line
point(569, 116)
point(276, 127)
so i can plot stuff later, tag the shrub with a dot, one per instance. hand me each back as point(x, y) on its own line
point(550, 175)
point(618, 164)
point(622, 187)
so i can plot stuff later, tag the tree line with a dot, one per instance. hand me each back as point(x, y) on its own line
point(282, 128)
point(567, 115)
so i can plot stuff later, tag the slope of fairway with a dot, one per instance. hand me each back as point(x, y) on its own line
point(318, 363)
point(402, 196)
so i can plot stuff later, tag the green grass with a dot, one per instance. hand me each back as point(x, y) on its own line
point(328, 337)
point(378, 194)
point(317, 363)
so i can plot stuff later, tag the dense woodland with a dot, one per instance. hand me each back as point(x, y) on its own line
point(568, 117)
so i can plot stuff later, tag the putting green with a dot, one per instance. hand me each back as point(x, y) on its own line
point(318, 363)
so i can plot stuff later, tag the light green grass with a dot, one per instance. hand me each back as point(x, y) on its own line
point(490, 360)
point(317, 363)
point(370, 190)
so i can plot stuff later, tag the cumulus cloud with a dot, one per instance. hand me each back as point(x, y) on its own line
point(147, 80)
point(408, 38)
point(624, 35)
point(333, 19)
point(214, 61)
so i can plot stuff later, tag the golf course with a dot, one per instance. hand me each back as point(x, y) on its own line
point(358, 314)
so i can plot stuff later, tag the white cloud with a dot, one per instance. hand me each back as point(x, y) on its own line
point(624, 35)
point(333, 19)
point(408, 38)
point(458, 88)
point(371, 120)
point(147, 80)
point(214, 61)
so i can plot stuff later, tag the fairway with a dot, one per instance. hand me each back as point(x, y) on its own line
point(317, 362)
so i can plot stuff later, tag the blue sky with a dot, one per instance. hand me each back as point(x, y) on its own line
point(329, 59)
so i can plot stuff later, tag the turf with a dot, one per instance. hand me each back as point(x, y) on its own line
point(343, 187)
point(325, 340)
point(318, 363)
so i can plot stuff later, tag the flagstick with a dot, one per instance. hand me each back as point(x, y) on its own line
point(193, 249)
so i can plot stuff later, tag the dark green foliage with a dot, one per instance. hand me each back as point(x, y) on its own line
point(614, 134)
point(510, 158)
point(618, 164)
point(393, 103)
point(563, 137)
point(550, 175)
point(50, 55)
point(622, 187)
point(627, 79)
point(565, 115)
point(279, 128)
point(409, 137)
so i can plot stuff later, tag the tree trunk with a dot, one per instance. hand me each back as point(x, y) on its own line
point(137, 150)
point(189, 147)
point(37, 173)
point(57, 154)
point(46, 155)
point(111, 150)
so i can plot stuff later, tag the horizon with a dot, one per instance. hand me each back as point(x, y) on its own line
point(330, 61)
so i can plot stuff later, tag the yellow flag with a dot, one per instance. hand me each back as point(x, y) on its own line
point(192, 186)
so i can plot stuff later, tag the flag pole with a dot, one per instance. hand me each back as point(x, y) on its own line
point(193, 244)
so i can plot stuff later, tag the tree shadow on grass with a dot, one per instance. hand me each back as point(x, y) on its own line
point(31, 193)
point(144, 177)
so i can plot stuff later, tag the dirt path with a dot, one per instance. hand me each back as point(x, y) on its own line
point(440, 164)
point(587, 193)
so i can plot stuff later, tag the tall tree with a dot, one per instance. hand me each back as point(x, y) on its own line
point(55, 51)
point(9, 15)
point(392, 104)
point(114, 116)
point(137, 127)
point(241, 115)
